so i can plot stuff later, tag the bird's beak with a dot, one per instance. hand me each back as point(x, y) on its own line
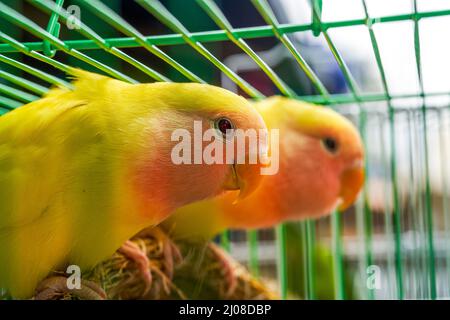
point(243, 177)
point(352, 180)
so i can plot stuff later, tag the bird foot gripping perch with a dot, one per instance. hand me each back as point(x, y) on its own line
point(227, 264)
point(171, 256)
point(121, 277)
point(128, 274)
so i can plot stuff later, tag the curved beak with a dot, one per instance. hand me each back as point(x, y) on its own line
point(243, 177)
point(352, 180)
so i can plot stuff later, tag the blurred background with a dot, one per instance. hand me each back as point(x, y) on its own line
point(395, 242)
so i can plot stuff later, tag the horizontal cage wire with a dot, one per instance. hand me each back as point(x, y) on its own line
point(400, 225)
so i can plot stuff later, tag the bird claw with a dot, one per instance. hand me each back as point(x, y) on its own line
point(171, 256)
point(227, 267)
point(56, 287)
point(171, 252)
point(134, 253)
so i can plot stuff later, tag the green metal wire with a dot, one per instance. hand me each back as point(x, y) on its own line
point(338, 261)
point(252, 236)
point(115, 20)
point(266, 12)
point(311, 259)
point(416, 217)
point(389, 230)
point(439, 131)
point(17, 94)
point(7, 104)
point(28, 25)
point(397, 222)
point(29, 85)
point(304, 245)
point(420, 260)
point(428, 204)
point(444, 156)
point(53, 28)
point(91, 34)
point(225, 241)
point(214, 12)
point(366, 213)
point(221, 35)
point(162, 14)
point(282, 259)
point(35, 72)
point(397, 225)
point(316, 26)
point(353, 87)
point(344, 68)
point(31, 53)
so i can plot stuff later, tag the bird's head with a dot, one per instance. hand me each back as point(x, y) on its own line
point(196, 148)
point(321, 157)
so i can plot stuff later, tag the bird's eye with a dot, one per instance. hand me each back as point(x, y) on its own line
point(224, 126)
point(330, 144)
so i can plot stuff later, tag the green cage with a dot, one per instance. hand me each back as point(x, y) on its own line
point(393, 244)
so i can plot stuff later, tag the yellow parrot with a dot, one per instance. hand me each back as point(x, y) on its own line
point(83, 170)
point(320, 167)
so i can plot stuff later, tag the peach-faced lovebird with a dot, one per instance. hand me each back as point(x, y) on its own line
point(83, 170)
point(320, 168)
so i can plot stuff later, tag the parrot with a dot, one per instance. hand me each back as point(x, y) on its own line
point(84, 169)
point(321, 167)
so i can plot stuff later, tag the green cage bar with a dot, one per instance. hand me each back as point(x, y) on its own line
point(365, 213)
point(429, 213)
point(338, 261)
point(225, 241)
point(310, 259)
point(253, 250)
point(281, 260)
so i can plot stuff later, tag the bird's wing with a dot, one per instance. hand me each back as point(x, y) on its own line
point(29, 158)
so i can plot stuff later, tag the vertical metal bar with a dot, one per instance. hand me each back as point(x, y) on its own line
point(428, 204)
point(444, 156)
point(281, 261)
point(397, 218)
point(415, 201)
point(311, 259)
point(317, 13)
point(393, 162)
point(353, 87)
point(53, 28)
point(338, 261)
point(304, 246)
point(366, 213)
point(252, 236)
point(225, 240)
point(388, 223)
